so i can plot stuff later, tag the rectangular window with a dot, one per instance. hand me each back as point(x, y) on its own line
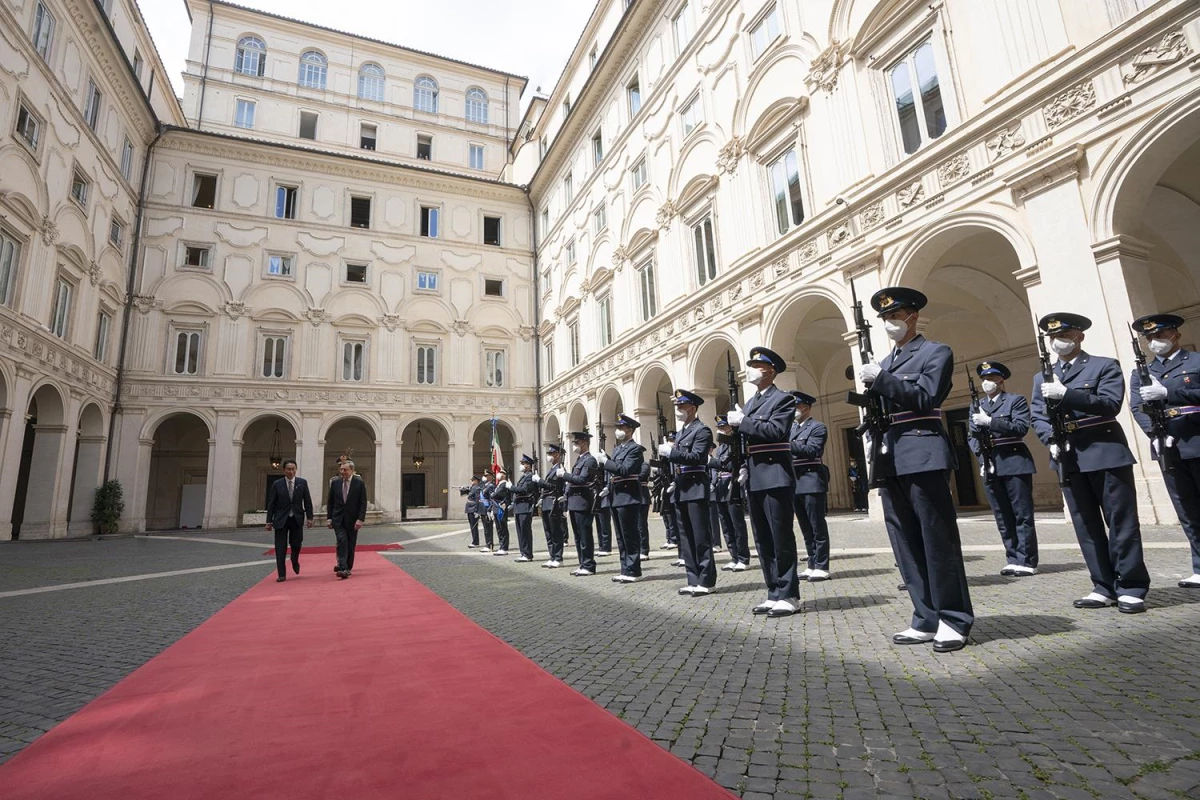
point(545, 221)
point(604, 313)
point(103, 323)
point(476, 156)
point(597, 148)
point(352, 361)
point(356, 273)
point(366, 136)
point(187, 353)
point(197, 256)
point(765, 32)
point(922, 115)
point(273, 352)
point(10, 259)
point(568, 189)
point(43, 31)
point(638, 174)
point(599, 219)
point(429, 222)
point(285, 202)
point(91, 109)
point(706, 251)
point(493, 368)
point(682, 25)
point(425, 147)
point(427, 281)
point(80, 188)
point(548, 356)
point(244, 118)
point(426, 365)
point(62, 308)
point(308, 125)
point(692, 115)
point(29, 127)
point(360, 212)
point(649, 291)
point(280, 265)
point(491, 230)
point(785, 191)
point(573, 337)
point(493, 287)
point(137, 64)
point(127, 159)
point(116, 233)
point(204, 191)
point(633, 90)
point(569, 252)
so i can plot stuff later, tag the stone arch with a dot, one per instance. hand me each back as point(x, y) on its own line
point(552, 430)
point(277, 294)
point(481, 444)
point(334, 419)
point(425, 485)
point(944, 231)
point(694, 162)
point(198, 287)
point(155, 420)
point(772, 85)
point(26, 191)
point(177, 470)
point(255, 470)
point(708, 373)
point(25, 208)
point(357, 436)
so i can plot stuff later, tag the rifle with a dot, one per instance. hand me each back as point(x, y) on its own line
point(738, 448)
point(875, 421)
point(987, 450)
point(1156, 410)
point(598, 486)
point(1058, 422)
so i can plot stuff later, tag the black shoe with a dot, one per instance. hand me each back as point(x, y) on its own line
point(281, 579)
point(899, 638)
point(761, 610)
point(1188, 584)
point(296, 566)
point(1131, 608)
point(948, 647)
point(1008, 571)
point(902, 586)
point(1088, 602)
point(336, 568)
point(342, 575)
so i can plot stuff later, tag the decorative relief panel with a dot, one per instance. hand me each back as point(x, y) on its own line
point(729, 155)
point(838, 234)
point(954, 170)
point(1070, 104)
point(1170, 49)
point(808, 252)
point(1005, 142)
point(913, 193)
point(666, 215)
point(871, 216)
point(823, 72)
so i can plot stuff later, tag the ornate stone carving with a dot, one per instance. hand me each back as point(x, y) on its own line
point(717, 303)
point(94, 273)
point(730, 155)
point(145, 303)
point(823, 72)
point(666, 215)
point(49, 231)
point(235, 310)
point(1170, 49)
point(391, 321)
point(838, 234)
point(735, 293)
point(525, 332)
point(698, 313)
point(954, 169)
point(756, 280)
point(808, 252)
point(780, 267)
point(316, 316)
point(1005, 142)
point(620, 255)
point(1070, 104)
point(461, 326)
point(871, 216)
point(913, 193)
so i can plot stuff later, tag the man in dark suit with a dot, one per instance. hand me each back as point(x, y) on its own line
point(766, 422)
point(688, 455)
point(346, 511)
point(624, 470)
point(1096, 465)
point(1003, 420)
point(581, 495)
point(915, 460)
point(1175, 382)
point(812, 486)
point(288, 501)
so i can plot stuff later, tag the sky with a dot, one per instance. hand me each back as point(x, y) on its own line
point(525, 37)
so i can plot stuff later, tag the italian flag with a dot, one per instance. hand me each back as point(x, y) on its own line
point(497, 456)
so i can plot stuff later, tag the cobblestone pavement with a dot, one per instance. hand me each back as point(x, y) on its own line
point(1047, 701)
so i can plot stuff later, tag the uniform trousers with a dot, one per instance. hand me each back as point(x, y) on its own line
point(502, 531)
point(771, 520)
point(629, 538)
point(556, 531)
point(473, 521)
point(581, 527)
point(644, 527)
point(733, 525)
point(1114, 557)
point(918, 511)
point(1183, 483)
point(347, 540)
point(1011, 498)
point(810, 513)
point(669, 522)
point(486, 518)
point(604, 532)
point(525, 534)
point(714, 525)
point(290, 535)
point(695, 543)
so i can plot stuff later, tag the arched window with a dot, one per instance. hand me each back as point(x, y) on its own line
point(425, 95)
point(313, 68)
point(477, 106)
point(251, 56)
point(370, 82)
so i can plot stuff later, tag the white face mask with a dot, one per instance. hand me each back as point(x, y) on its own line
point(524, 468)
point(989, 386)
point(620, 434)
point(1160, 347)
point(680, 413)
point(754, 375)
point(1062, 347)
point(896, 329)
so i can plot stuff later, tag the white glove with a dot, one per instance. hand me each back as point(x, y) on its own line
point(867, 373)
point(1054, 390)
point(664, 449)
point(1155, 391)
point(537, 478)
point(735, 416)
point(981, 419)
point(982, 471)
point(1170, 442)
point(601, 457)
point(671, 488)
point(604, 492)
point(744, 476)
point(1054, 453)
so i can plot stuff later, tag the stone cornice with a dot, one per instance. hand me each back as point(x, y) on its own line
point(1045, 173)
point(51, 356)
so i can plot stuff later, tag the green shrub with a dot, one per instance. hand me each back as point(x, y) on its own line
point(108, 506)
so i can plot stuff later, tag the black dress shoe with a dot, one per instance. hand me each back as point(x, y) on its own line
point(1088, 602)
point(342, 575)
point(759, 610)
point(296, 567)
point(899, 638)
point(1008, 571)
point(902, 586)
point(776, 613)
point(1131, 608)
point(281, 579)
point(1189, 585)
point(948, 647)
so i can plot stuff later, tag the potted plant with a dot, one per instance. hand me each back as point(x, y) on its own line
point(108, 507)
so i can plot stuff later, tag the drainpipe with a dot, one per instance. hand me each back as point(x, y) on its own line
point(537, 324)
point(131, 283)
point(204, 71)
point(507, 126)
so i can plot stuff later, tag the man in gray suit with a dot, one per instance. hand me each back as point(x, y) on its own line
point(812, 486)
point(288, 501)
point(346, 511)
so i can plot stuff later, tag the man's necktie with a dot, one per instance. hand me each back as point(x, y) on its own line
point(289, 490)
point(345, 490)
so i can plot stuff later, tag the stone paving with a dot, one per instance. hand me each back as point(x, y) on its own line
point(1047, 701)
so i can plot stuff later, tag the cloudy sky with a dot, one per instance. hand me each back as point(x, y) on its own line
point(526, 37)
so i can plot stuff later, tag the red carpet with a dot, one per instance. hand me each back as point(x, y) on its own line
point(326, 549)
point(368, 688)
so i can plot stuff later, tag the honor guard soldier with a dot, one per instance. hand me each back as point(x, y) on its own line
point(998, 427)
point(522, 504)
point(472, 508)
point(733, 515)
point(580, 497)
point(666, 477)
point(644, 512)
point(501, 507)
point(1174, 385)
point(624, 469)
point(485, 511)
point(1094, 462)
point(604, 515)
point(812, 486)
point(714, 517)
point(765, 423)
point(688, 456)
point(552, 489)
point(914, 461)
